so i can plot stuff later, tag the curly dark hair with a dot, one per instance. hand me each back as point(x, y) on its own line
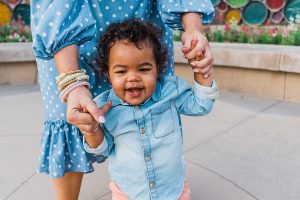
point(133, 31)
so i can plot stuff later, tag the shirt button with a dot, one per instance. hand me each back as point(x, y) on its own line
point(142, 130)
point(148, 158)
point(151, 185)
point(137, 107)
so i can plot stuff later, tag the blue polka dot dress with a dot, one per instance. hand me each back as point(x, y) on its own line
point(57, 24)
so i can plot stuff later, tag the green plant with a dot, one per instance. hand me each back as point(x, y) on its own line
point(279, 35)
point(15, 31)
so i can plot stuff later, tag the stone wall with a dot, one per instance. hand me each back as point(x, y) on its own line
point(17, 64)
point(265, 70)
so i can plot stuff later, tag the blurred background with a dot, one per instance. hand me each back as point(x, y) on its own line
point(247, 149)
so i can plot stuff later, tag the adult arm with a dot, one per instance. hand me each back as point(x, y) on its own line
point(192, 25)
point(67, 60)
point(58, 24)
point(188, 16)
point(58, 27)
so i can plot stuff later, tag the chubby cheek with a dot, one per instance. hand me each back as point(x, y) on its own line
point(118, 85)
point(150, 87)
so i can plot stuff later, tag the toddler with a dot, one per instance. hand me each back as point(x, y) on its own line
point(142, 135)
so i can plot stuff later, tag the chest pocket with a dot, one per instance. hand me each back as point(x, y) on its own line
point(120, 121)
point(162, 120)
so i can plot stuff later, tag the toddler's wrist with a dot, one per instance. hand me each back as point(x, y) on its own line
point(94, 139)
point(92, 134)
point(203, 81)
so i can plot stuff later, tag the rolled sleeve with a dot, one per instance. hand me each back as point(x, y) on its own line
point(203, 92)
point(57, 24)
point(172, 10)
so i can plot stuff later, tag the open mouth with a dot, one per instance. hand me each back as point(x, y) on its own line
point(134, 92)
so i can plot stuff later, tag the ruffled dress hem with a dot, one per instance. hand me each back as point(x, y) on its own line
point(62, 150)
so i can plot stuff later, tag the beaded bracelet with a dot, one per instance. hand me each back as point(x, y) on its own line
point(64, 94)
point(63, 75)
point(68, 77)
point(66, 82)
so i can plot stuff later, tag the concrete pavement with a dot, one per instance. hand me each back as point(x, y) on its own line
point(248, 148)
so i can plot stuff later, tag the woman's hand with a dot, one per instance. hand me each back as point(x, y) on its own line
point(202, 48)
point(193, 26)
point(83, 112)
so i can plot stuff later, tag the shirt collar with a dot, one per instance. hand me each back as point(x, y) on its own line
point(156, 96)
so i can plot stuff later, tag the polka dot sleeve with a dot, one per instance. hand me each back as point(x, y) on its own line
point(171, 11)
point(57, 24)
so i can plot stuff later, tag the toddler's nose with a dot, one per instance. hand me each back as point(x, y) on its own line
point(132, 77)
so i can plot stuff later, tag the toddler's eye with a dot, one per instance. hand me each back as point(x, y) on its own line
point(145, 69)
point(120, 71)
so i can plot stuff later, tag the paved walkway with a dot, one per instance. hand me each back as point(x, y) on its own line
point(247, 148)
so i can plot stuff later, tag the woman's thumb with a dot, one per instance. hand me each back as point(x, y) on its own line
point(103, 110)
point(186, 46)
point(97, 113)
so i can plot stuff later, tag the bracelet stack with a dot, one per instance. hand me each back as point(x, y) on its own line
point(69, 81)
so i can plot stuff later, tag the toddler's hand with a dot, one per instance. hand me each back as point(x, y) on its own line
point(92, 132)
point(83, 112)
point(92, 128)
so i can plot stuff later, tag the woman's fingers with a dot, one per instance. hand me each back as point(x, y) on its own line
point(75, 116)
point(206, 62)
point(92, 126)
point(82, 109)
point(193, 42)
point(204, 66)
point(198, 50)
point(97, 113)
point(103, 110)
point(92, 108)
point(203, 70)
point(83, 116)
point(199, 56)
point(186, 42)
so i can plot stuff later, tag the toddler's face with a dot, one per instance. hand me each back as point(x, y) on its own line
point(132, 72)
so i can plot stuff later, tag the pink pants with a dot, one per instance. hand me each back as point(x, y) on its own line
point(117, 194)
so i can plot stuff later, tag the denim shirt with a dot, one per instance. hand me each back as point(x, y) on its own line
point(144, 143)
